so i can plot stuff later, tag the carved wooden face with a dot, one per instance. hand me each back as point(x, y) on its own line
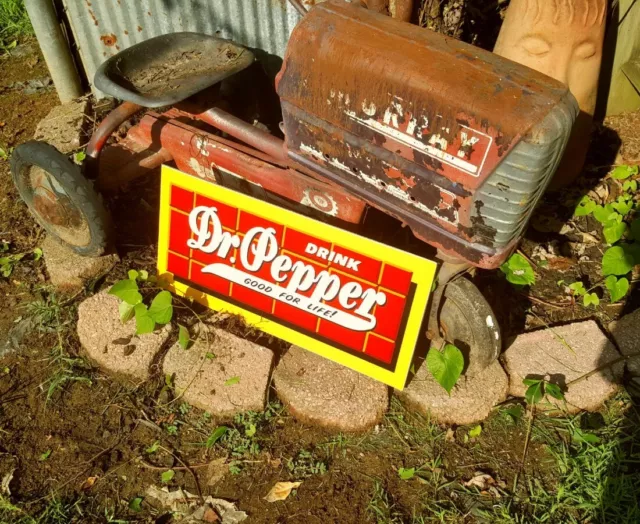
point(561, 38)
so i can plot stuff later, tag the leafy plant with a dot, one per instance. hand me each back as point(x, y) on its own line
point(167, 476)
point(475, 431)
point(591, 299)
point(135, 504)
point(624, 172)
point(216, 435)
point(538, 388)
point(618, 287)
point(518, 270)
point(585, 207)
point(617, 260)
point(406, 474)
point(160, 311)
point(305, 465)
point(446, 366)
point(79, 157)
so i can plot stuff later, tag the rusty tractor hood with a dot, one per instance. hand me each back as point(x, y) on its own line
point(393, 103)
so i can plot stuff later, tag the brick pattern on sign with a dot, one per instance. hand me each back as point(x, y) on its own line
point(186, 263)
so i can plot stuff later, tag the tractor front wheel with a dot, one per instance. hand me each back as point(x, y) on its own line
point(468, 322)
point(61, 199)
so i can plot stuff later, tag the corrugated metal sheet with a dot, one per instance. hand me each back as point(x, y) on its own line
point(103, 27)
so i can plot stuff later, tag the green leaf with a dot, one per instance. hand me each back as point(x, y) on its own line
point(152, 448)
point(126, 290)
point(144, 322)
point(446, 365)
point(635, 229)
point(79, 157)
point(37, 254)
point(217, 434)
point(577, 288)
point(126, 312)
point(250, 431)
point(183, 337)
point(514, 412)
point(475, 431)
point(585, 207)
point(617, 261)
point(143, 275)
point(618, 288)
point(622, 206)
point(614, 232)
point(591, 299)
point(406, 474)
point(161, 309)
point(624, 172)
point(136, 504)
point(210, 355)
point(605, 215)
point(531, 381)
point(167, 475)
point(630, 185)
point(580, 436)
point(232, 381)
point(133, 274)
point(518, 270)
point(534, 392)
point(45, 455)
point(554, 391)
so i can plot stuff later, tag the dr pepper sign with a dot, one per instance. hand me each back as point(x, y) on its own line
point(350, 299)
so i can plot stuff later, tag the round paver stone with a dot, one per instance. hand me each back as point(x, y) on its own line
point(321, 392)
point(565, 354)
point(221, 373)
point(70, 272)
point(471, 399)
point(626, 333)
point(115, 346)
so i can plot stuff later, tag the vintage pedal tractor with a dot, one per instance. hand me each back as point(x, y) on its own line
point(451, 140)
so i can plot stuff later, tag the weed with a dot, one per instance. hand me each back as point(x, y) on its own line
point(381, 508)
point(67, 370)
point(305, 465)
point(14, 21)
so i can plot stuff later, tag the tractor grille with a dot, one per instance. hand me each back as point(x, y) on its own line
point(504, 203)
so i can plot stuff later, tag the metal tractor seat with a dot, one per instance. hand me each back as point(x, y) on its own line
point(169, 68)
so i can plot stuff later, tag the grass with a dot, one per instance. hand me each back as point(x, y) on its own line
point(14, 21)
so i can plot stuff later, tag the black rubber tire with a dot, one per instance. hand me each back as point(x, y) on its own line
point(468, 322)
point(78, 190)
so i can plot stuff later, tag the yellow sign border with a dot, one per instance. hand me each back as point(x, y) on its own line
point(423, 271)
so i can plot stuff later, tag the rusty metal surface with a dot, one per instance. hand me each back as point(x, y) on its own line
point(415, 122)
point(218, 160)
point(103, 27)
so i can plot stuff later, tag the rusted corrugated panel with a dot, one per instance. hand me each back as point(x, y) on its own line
point(103, 27)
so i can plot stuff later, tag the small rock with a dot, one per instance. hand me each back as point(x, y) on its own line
point(471, 399)
point(221, 373)
point(101, 332)
point(64, 127)
point(564, 354)
point(319, 391)
point(626, 333)
point(70, 272)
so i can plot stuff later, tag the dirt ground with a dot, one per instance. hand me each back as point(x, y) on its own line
point(85, 447)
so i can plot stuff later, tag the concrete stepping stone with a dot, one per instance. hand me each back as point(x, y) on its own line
point(112, 345)
point(564, 354)
point(64, 127)
point(221, 373)
point(471, 400)
point(626, 333)
point(320, 392)
point(70, 272)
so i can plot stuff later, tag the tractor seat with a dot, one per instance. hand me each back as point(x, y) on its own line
point(169, 68)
